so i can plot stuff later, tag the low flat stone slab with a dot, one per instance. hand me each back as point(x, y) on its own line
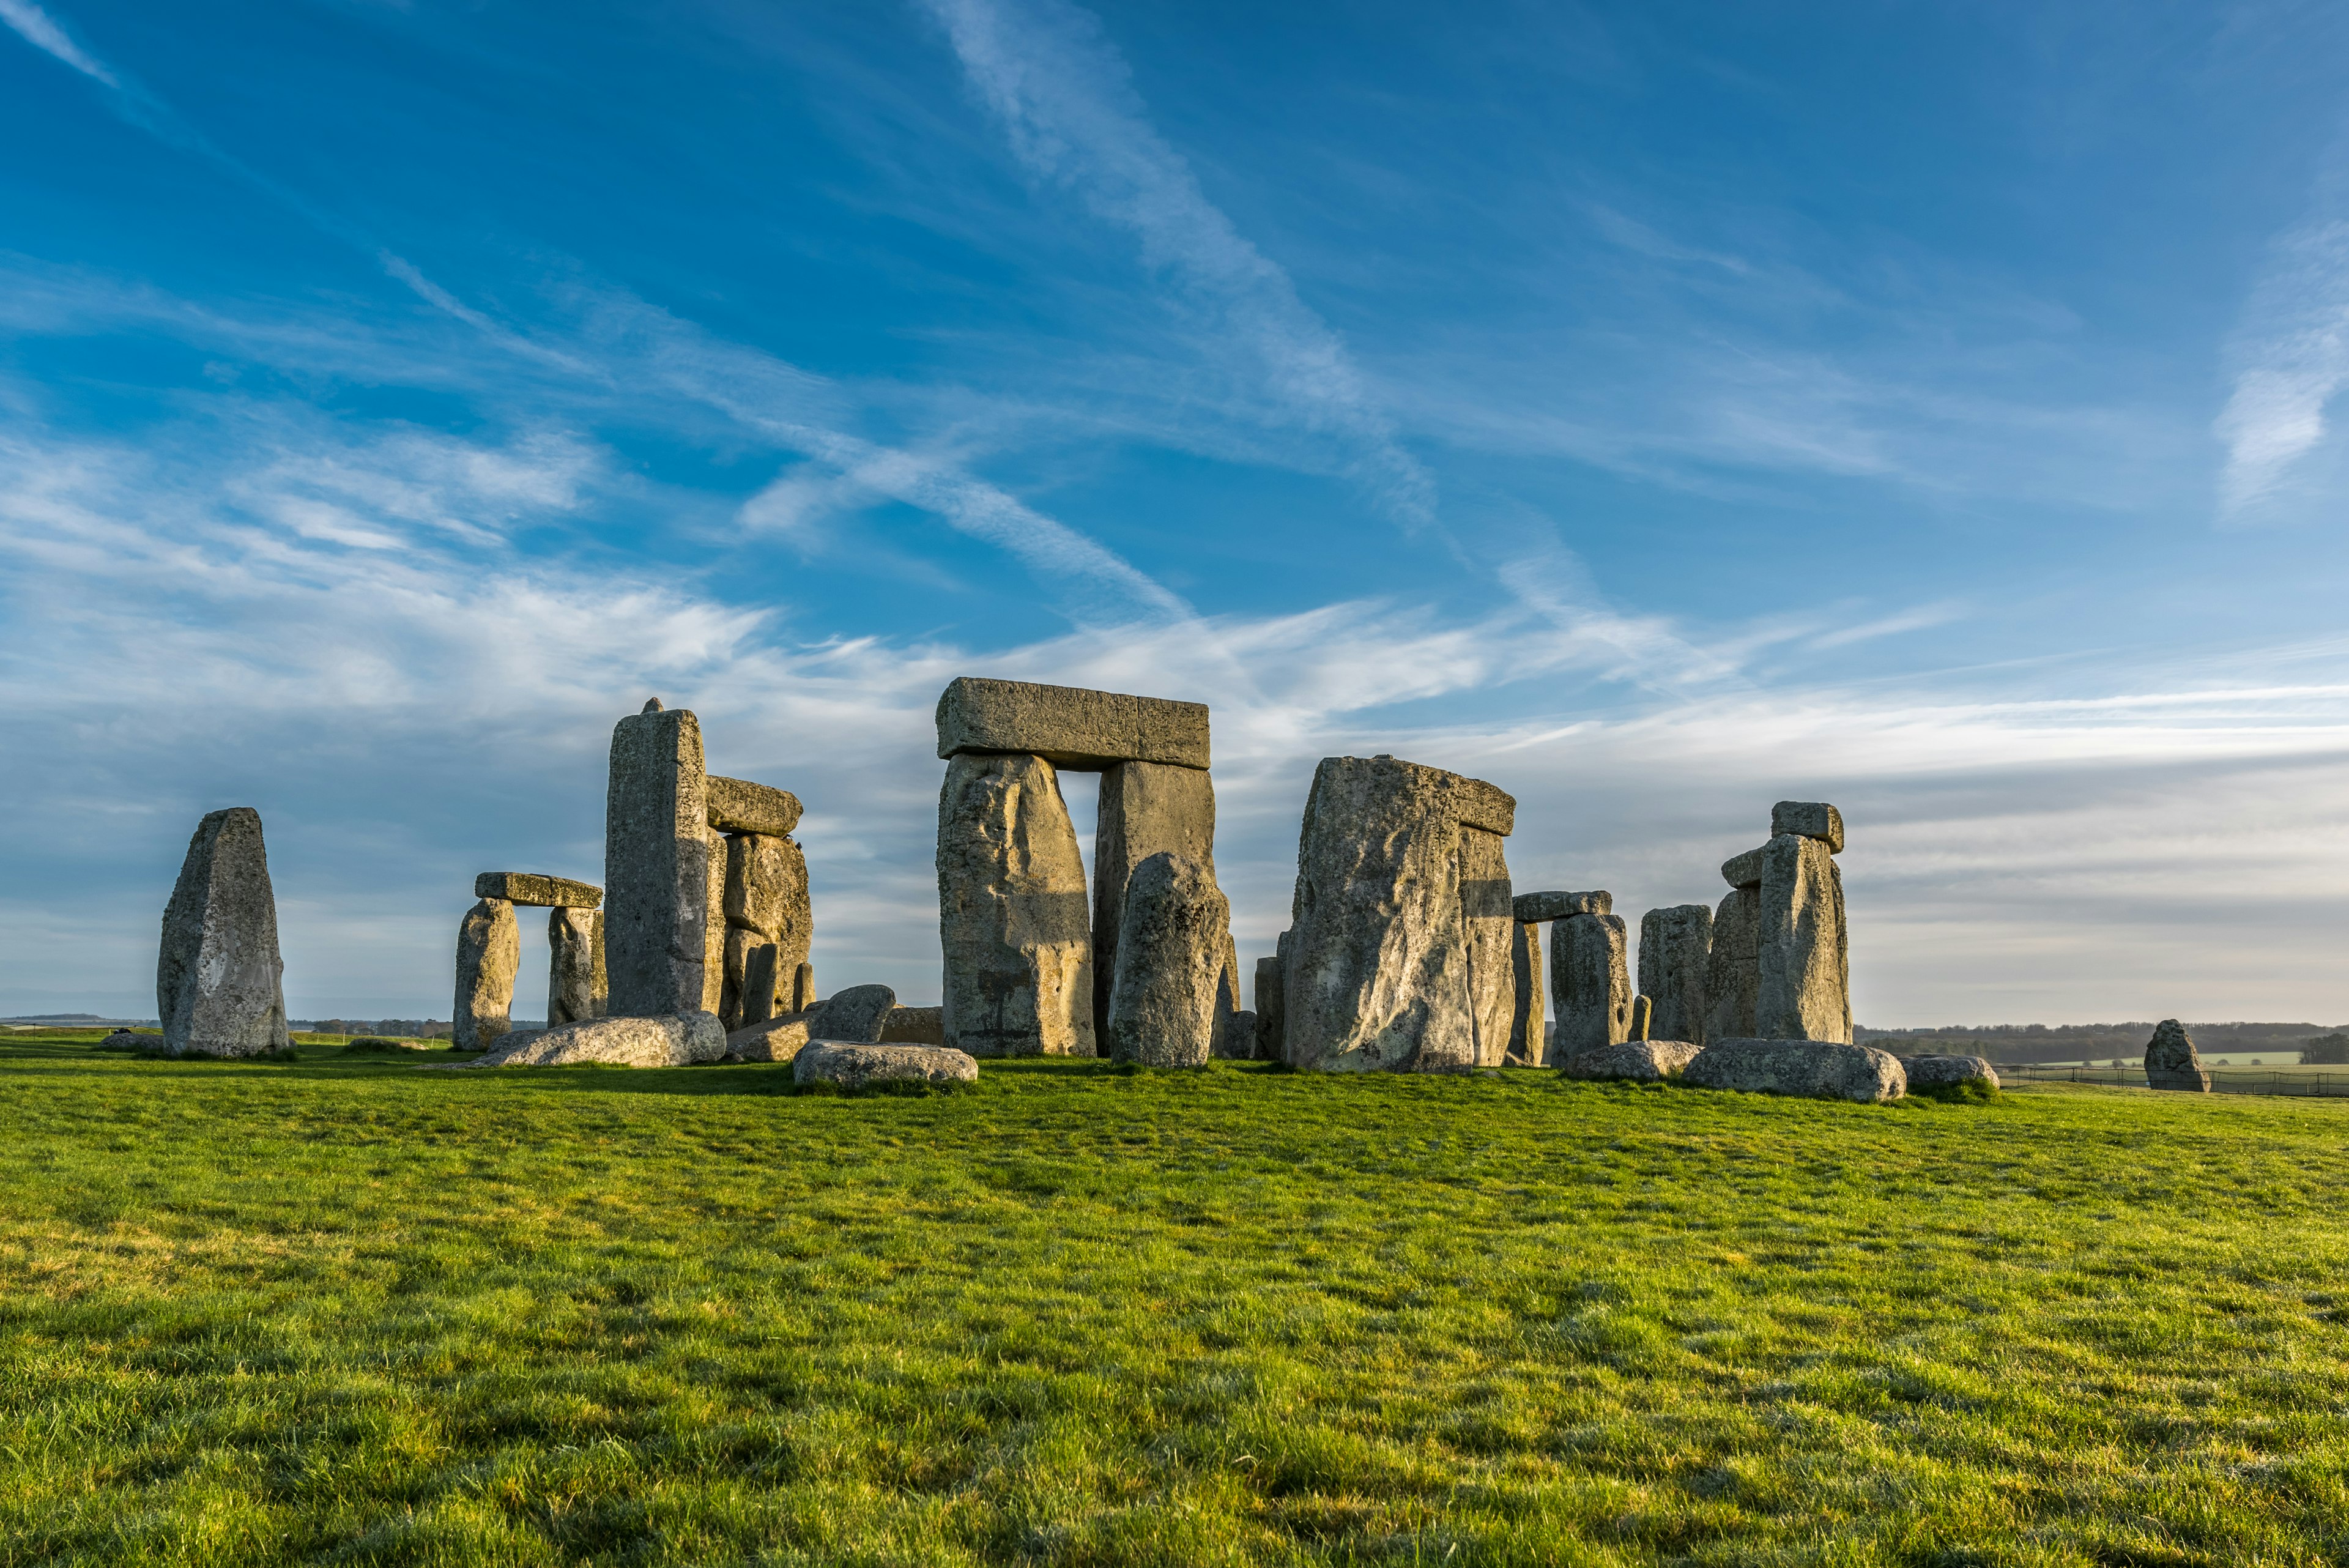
point(1941, 1072)
point(1746, 870)
point(1646, 1060)
point(674, 1040)
point(738, 805)
point(1533, 908)
point(1812, 1069)
point(1069, 726)
point(538, 891)
point(1812, 819)
point(851, 1065)
point(776, 1040)
point(915, 1026)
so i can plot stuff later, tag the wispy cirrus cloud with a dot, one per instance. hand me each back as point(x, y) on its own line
point(41, 30)
point(2292, 353)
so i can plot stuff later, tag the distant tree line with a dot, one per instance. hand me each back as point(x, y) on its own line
point(396, 1028)
point(2089, 1042)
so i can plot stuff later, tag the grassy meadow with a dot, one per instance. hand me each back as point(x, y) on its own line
point(339, 1309)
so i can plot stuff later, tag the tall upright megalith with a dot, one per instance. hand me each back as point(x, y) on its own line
point(1591, 979)
point(766, 906)
point(1733, 974)
point(489, 956)
point(1804, 989)
point(655, 865)
point(218, 982)
point(1487, 928)
point(1675, 954)
point(1147, 809)
point(1170, 964)
point(1528, 1017)
point(578, 988)
point(1011, 912)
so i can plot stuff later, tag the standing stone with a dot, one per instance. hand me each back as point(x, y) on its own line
point(1591, 983)
point(1675, 956)
point(713, 925)
point(1147, 809)
point(1269, 1046)
point(1235, 1027)
point(1011, 912)
point(218, 982)
point(1804, 991)
point(1643, 1017)
point(1529, 1021)
point(766, 905)
point(1733, 974)
point(1488, 926)
point(2172, 1062)
point(759, 995)
point(576, 987)
point(1376, 974)
point(802, 989)
point(489, 955)
point(1170, 964)
point(656, 867)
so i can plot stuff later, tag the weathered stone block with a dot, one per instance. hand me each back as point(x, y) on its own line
point(1269, 984)
point(1536, 907)
point(219, 981)
point(774, 1040)
point(1170, 964)
point(2172, 1062)
point(857, 1013)
point(1230, 1041)
point(576, 986)
point(1069, 726)
point(1011, 912)
point(1746, 870)
point(1488, 927)
point(853, 1066)
point(802, 989)
point(1645, 1059)
point(1805, 990)
point(1237, 1043)
point(1815, 1069)
point(656, 867)
point(1732, 975)
point(1530, 1015)
point(738, 805)
point(753, 973)
point(1147, 809)
point(679, 1040)
point(1643, 1017)
point(1675, 956)
point(713, 927)
point(1811, 819)
point(1376, 974)
point(1940, 1072)
point(1590, 985)
point(489, 956)
point(914, 1026)
point(767, 892)
point(537, 892)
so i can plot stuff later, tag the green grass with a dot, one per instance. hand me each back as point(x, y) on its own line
point(338, 1309)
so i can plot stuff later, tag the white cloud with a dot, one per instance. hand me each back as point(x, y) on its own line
point(39, 28)
point(2292, 354)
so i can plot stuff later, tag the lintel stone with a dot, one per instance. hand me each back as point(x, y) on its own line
point(539, 892)
point(1069, 726)
point(1532, 907)
point(1810, 819)
point(738, 805)
point(1744, 871)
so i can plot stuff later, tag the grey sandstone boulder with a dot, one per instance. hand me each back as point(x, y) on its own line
point(775, 1040)
point(914, 1026)
point(679, 1040)
point(1815, 1069)
point(1590, 985)
point(1147, 809)
point(1540, 907)
point(1812, 819)
point(1640, 1059)
point(576, 988)
point(1732, 972)
point(1530, 1015)
point(489, 956)
point(1069, 726)
point(1939, 1072)
point(1488, 927)
point(1746, 870)
point(766, 906)
point(1375, 973)
point(218, 982)
point(852, 1066)
point(738, 805)
point(2172, 1062)
point(655, 866)
point(537, 892)
point(1012, 920)
point(858, 1014)
point(1170, 962)
point(1804, 989)
point(1675, 955)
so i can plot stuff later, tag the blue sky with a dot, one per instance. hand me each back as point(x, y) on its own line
point(1659, 411)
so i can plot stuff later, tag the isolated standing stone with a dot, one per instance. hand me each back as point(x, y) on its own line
point(1170, 964)
point(1528, 1020)
point(489, 955)
point(1269, 1047)
point(655, 866)
point(1805, 989)
point(1733, 974)
point(218, 982)
point(738, 805)
point(1675, 955)
point(1011, 912)
point(2172, 1062)
point(576, 987)
point(1488, 926)
point(1147, 809)
point(1069, 726)
point(858, 1014)
point(1638, 1059)
point(679, 1040)
point(1591, 983)
point(1376, 974)
point(1817, 1069)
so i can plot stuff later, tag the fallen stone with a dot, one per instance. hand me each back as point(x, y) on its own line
point(679, 1040)
point(1814, 1069)
point(1147, 809)
point(857, 1013)
point(656, 867)
point(1488, 927)
point(576, 988)
point(1069, 726)
point(1804, 990)
point(2172, 1062)
point(1675, 957)
point(1012, 920)
point(1942, 1071)
point(133, 1039)
point(1528, 1018)
point(852, 1066)
point(1589, 985)
point(1746, 870)
point(539, 892)
point(914, 1026)
point(1811, 819)
point(738, 805)
point(1269, 982)
point(1375, 974)
point(775, 1040)
point(489, 956)
point(1640, 1059)
point(1732, 973)
point(219, 981)
point(1536, 907)
point(1170, 964)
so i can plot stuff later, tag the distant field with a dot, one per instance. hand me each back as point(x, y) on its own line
point(339, 1308)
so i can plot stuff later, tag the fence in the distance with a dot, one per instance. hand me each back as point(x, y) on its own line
point(2223, 1080)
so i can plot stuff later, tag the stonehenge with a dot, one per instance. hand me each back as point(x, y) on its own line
point(489, 954)
point(655, 866)
point(218, 982)
point(1804, 989)
point(1591, 983)
point(1675, 954)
